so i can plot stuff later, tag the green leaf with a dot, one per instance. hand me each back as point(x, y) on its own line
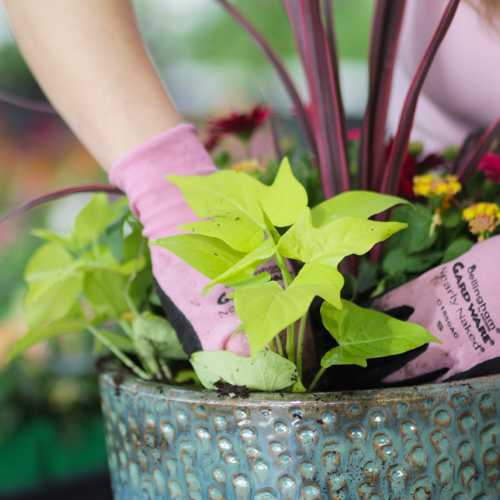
point(50, 264)
point(238, 196)
point(394, 262)
point(245, 268)
point(158, 333)
point(417, 237)
point(367, 275)
point(359, 204)
point(92, 220)
point(364, 334)
point(421, 262)
point(267, 372)
point(317, 279)
point(298, 386)
point(63, 241)
point(237, 233)
point(228, 194)
point(73, 322)
point(452, 218)
point(119, 341)
point(285, 200)
point(105, 292)
point(210, 256)
point(113, 234)
point(331, 243)
point(54, 304)
point(267, 309)
point(457, 249)
point(184, 376)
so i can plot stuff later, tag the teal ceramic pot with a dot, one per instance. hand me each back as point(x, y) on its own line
point(427, 442)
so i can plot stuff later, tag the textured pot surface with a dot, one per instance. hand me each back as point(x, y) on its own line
point(428, 442)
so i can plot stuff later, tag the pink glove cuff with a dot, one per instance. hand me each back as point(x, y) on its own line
point(141, 175)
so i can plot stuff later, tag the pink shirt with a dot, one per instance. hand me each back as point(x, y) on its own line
point(462, 90)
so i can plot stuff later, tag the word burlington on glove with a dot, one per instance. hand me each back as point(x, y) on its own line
point(201, 323)
point(459, 303)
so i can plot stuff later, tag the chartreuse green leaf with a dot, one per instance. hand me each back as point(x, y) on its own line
point(235, 195)
point(50, 264)
point(53, 304)
point(239, 234)
point(321, 280)
point(266, 309)
point(244, 269)
point(105, 292)
point(285, 200)
point(228, 194)
point(364, 334)
point(93, 219)
point(209, 256)
point(359, 204)
point(267, 372)
point(73, 322)
point(331, 243)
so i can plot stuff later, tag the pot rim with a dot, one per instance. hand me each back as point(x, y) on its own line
point(112, 373)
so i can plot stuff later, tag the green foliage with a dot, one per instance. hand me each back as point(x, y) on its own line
point(98, 268)
point(241, 234)
point(363, 334)
point(267, 372)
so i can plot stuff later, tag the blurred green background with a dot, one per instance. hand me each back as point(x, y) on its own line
point(49, 409)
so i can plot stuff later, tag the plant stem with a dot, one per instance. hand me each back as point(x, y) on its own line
point(280, 347)
point(300, 345)
point(119, 354)
point(130, 303)
point(290, 331)
point(316, 378)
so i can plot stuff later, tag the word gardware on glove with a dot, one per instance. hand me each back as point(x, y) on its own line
point(201, 323)
point(459, 303)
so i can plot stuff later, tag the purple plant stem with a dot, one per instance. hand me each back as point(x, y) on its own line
point(386, 29)
point(392, 172)
point(54, 195)
point(467, 171)
point(22, 102)
point(325, 106)
point(287, 82)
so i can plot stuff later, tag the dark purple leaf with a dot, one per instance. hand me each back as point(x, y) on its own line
point(386, 29)
point(390, 183)
point(468, 146)
point(273, 57)
point(325, 103)
point(54, 195)
point(468, 169)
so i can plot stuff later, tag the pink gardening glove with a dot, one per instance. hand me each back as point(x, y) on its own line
point(201, 323)
point(459, 303)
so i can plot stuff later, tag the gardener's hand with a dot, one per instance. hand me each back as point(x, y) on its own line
point(201, 323)
point(459, 303)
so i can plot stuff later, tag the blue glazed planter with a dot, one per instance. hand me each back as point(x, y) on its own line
point(426, 442)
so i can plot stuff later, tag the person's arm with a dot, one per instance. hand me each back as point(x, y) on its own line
point(89, 58)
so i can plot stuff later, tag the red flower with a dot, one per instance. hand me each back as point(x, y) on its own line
point(354, 134)
point(407, 172)
point(490, 166)
point(243, 125)
point(212, 140)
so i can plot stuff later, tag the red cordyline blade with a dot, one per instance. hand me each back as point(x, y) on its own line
point(273, 57)
point(326, 104)
point(466, 150)
point(467, 171)
point(22, 102)
point(392, 172)
point(54, 195)
point(384, 40)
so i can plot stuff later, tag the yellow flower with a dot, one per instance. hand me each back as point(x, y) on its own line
point(251, 166)
point(483, 218)
point(436, 185)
